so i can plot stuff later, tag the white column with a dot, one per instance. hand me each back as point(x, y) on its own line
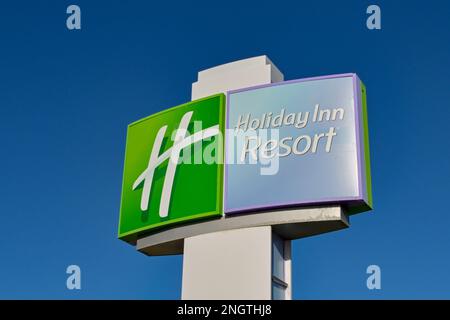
point(288, 268)
point(233, 264)
point(235, 75)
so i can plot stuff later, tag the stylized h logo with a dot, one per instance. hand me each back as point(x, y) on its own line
point(180, 142)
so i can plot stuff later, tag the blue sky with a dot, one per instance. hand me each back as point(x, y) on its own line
point(66, 98)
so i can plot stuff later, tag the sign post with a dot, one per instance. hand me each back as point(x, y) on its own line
point(253, 162)
point(235, 263)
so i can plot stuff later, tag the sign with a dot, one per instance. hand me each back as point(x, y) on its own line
point(173, 168)
point(290, 144)
point(295, 143)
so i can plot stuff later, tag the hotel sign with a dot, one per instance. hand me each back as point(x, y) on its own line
point(289, 144)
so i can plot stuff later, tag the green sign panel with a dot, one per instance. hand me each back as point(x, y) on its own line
point(173, 167)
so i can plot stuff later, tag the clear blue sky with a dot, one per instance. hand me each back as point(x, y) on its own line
point(66, 98)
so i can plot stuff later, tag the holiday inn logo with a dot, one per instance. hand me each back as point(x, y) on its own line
point(173, 167)
point(173, 155)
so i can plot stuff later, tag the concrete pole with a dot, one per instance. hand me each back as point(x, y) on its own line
point(246, 263)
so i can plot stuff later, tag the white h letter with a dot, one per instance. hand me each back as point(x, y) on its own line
point(173, 154)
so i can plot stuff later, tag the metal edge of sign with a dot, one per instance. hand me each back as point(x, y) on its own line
point(365, 122)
